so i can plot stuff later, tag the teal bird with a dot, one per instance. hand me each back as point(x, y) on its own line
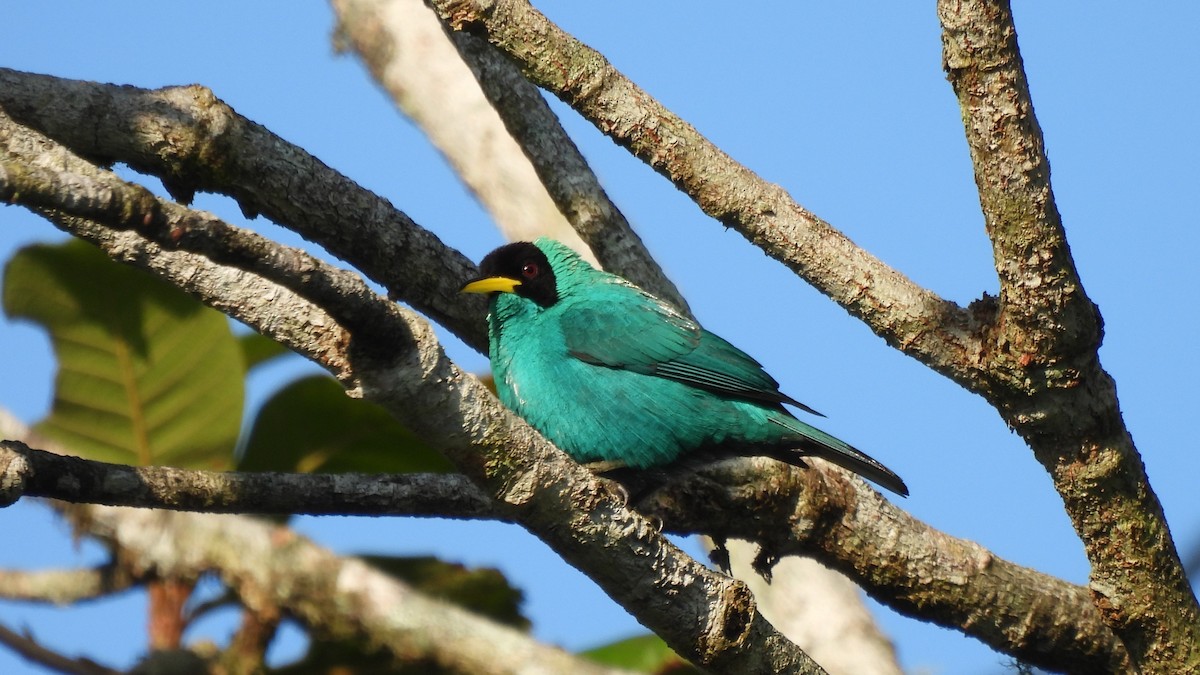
point(613, 375)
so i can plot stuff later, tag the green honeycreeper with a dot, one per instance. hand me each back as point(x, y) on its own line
point(611, 374)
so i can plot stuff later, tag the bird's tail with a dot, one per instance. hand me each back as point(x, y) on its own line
point(817, 443)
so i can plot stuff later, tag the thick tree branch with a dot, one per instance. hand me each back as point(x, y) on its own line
point(1051, 387)
point(261, 304)
point(77, 188)
point(936, 331)
point(1039, 284)
point(930, 575)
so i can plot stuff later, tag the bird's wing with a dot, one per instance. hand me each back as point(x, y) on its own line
point(627, 328)
point(718, 366)
point(620, 326)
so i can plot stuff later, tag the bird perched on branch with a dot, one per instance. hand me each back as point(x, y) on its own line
point(612, 375)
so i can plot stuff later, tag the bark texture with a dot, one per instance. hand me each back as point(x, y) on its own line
point(930, 575)
point(272, 568)
point(1042, 352)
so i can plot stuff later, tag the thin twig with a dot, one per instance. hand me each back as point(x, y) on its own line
point(27, 647)
point(563, 170)
point(28, 472)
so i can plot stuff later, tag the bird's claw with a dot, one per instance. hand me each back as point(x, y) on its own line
point(656, 523)
point(605, 466)
point(719, 555)
point(622, 493)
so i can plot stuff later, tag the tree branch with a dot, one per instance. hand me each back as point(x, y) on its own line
point(28, 472)
point(77, 188)
point(419, 635)
point(1051, 387)
point(270, 566)
point(27, 647)
point(405, 49)
point(60, 587)
point(247, 649)
point(563, 170)
point(404, 46)
point(915, 320)
point(261, 304)
point(930, 575)
point(193, 141)
point(1033, 262)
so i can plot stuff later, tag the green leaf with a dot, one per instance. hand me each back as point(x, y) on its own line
point(146, 374)
point(482, 590)
point(311, 425)
point(643, 653)
point(257, 349)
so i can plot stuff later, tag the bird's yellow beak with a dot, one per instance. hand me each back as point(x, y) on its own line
point(491, 285)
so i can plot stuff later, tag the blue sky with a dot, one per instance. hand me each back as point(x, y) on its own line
point(849, 111)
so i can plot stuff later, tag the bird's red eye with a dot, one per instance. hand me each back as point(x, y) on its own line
point(530, 270)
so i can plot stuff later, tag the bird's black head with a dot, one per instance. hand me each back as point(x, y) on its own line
point(520, 268)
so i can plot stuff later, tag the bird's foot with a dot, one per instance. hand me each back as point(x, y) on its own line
point(719, 556)
point(656, 523)
point(605, 466)
point(622, 492)
point(764, 563)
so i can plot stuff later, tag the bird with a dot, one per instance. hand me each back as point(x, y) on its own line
point(618, 378)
